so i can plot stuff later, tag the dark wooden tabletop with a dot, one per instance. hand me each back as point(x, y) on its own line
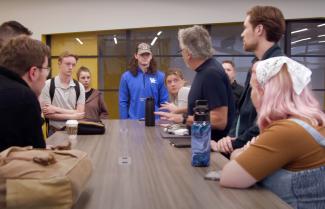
point(134, 167)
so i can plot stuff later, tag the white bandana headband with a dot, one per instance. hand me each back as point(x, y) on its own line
point(300, 75)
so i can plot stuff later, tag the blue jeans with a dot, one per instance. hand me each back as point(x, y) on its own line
point(302, 189)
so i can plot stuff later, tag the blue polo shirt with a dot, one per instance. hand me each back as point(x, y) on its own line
point(135, 89)
point(212, 84)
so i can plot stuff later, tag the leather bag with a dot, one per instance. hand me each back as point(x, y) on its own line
point(39, 178)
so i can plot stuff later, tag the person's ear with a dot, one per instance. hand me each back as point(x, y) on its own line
point(135, 56)
point(183, 83)
point(259, 29)
point(187, 54)
point(261, 90)
point(33, 73)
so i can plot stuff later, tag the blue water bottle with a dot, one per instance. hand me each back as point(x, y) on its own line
point(200, 135)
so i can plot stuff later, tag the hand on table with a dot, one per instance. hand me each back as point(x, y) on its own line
point(168, 106)
point(176, 118)
point(223, 145)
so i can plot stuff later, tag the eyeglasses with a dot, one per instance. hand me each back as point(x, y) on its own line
point(180, 51)
point(48, 69)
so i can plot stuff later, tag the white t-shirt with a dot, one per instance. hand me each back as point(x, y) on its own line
point(182, 96)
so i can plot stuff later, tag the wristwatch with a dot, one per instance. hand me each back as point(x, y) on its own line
point(185, 116)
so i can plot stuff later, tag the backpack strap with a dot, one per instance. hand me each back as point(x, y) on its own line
point(52, 89)
point(77, 88)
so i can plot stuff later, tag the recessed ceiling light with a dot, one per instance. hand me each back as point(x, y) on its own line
point(80, 42)
point(298, 31)
point(154, 41)
point(304, 39)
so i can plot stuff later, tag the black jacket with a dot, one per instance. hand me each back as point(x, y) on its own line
point(237, 90)
point(20, 113)
point(247, 114)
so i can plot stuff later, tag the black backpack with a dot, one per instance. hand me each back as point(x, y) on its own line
point(52, 89)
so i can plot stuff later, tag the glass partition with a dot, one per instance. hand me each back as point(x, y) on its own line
point(108, 53)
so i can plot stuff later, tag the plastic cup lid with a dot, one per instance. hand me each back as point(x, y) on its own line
point(71, 122)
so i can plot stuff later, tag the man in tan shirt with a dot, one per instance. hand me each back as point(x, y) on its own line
point(65, 104)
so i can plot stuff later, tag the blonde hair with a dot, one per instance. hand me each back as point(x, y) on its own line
point(82, 69)
point(174, 71)
point(67, 54)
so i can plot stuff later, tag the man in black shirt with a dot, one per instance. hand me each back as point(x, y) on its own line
point(210, 83)
point(263, 28)
point(237, 89)
point(23, 71)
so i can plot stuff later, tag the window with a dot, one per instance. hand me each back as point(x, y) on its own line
point(108, 53)
point(306, 44)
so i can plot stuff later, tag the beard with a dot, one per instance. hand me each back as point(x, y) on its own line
point(250, 47)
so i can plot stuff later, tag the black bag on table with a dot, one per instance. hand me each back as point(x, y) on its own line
point(90, 127)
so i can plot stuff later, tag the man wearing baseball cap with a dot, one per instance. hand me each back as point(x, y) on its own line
point(140, 81)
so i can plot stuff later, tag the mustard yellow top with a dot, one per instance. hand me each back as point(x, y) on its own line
point(283, 144)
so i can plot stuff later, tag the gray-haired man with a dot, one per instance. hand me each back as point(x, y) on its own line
point(210, 83)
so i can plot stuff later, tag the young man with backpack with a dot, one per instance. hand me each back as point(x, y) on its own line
point(63, 98)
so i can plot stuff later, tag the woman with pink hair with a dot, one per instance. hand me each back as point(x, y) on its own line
point(288, 157)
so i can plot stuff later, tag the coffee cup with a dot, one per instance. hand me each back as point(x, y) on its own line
point(71, 127)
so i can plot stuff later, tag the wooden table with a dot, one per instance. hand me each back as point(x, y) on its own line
point(135, 168)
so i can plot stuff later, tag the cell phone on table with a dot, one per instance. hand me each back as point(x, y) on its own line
point(180, 142)
point(213, 176)
point(180, 145)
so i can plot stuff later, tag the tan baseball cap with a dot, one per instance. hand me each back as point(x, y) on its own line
point(144, 48)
